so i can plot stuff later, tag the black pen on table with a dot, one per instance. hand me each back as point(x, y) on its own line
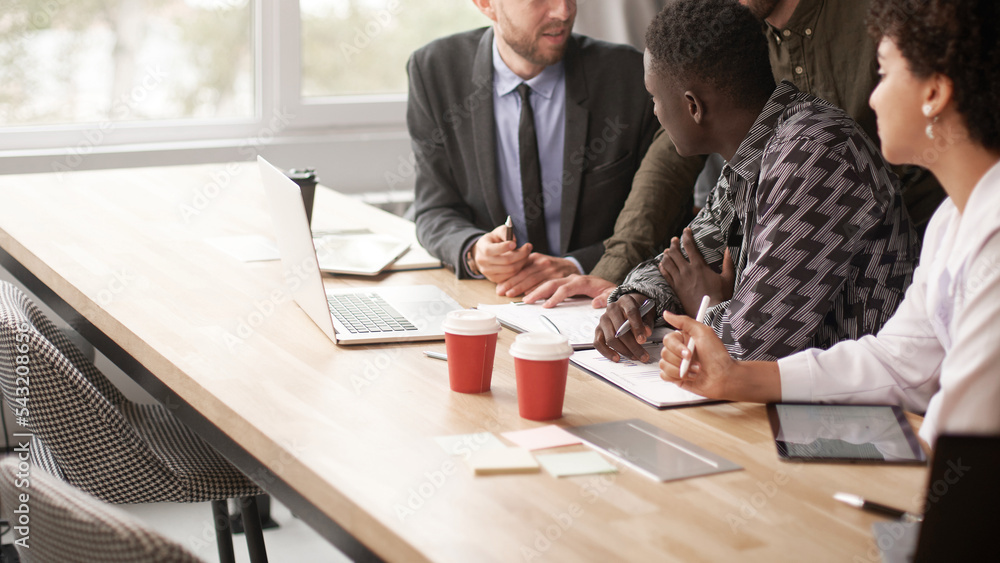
point(646, 307)
point(864, 504)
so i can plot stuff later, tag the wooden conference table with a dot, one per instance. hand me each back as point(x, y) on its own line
point(345, 435)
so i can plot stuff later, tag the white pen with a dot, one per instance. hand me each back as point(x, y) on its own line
point(700, 317)
point(646, 307)
point(549, 324)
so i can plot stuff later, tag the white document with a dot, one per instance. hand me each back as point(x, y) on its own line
point(575, 318)
point(641, 380)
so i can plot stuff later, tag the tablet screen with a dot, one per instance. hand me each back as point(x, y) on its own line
point(365, 254)
point(855, 433)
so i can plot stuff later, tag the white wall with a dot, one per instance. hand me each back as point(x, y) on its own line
point(351, 162)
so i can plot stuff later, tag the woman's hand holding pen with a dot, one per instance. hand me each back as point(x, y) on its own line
point(713, 373)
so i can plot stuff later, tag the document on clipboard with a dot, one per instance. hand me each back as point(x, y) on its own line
point(575, 318)
point(639, 379)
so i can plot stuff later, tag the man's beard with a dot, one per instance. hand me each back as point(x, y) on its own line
point(527, 46)
point(761, 9)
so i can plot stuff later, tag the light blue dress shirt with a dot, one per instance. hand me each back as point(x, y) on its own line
point(548, 100)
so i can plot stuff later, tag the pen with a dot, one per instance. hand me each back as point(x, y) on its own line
point(509, 236)
point(700, 317)
point(549, 324)
point(646, 307)
point(436, 355)
point(858, 502)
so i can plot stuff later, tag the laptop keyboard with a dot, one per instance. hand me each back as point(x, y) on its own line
point(364, 313)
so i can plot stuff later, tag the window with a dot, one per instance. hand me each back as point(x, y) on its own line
point(80, 61)
point(112, 72)
point(352, 47)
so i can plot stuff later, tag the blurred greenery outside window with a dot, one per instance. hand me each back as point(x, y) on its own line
point(357, 47)
point(89, 61)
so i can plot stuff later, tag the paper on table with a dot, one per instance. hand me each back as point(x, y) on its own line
point(579, 463)
point(575, 318)
point(641, 380)
point(246, 248)
point(505, 460)
point(465, 444)
point(550, 436)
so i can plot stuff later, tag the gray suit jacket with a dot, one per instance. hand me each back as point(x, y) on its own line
point(609, 126)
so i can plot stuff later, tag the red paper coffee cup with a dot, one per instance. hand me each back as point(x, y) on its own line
point(470, 337)
point(541, 360)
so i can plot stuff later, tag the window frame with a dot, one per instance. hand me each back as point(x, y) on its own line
point(279, 110)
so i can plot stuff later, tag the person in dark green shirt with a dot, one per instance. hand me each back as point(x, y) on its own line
point(821, 46)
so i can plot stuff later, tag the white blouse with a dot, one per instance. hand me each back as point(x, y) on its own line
point(940, 352)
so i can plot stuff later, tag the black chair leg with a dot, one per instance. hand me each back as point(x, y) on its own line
point(263, 507)
point(251, 527)
point(223, 534)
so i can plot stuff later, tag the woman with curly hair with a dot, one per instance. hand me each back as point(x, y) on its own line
point(937, 106)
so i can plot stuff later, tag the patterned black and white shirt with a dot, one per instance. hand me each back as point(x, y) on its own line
point(814, 221)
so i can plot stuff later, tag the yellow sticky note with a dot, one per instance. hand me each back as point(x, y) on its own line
point(506, 460)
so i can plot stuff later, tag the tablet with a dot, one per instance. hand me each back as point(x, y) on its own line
point(844, 433)
point(360, 254)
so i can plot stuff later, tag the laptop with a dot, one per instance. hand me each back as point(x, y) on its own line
point(347, 315)
point(961, 511)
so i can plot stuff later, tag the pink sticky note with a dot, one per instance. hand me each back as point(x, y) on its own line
point(550, 436)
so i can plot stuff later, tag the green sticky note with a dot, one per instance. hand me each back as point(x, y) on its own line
point(580, 463)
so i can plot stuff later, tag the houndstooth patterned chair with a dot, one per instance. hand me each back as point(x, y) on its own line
point(67, 524)
point(85, 432)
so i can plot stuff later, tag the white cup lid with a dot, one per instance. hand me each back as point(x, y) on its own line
point(541, 346)
point(471, 322)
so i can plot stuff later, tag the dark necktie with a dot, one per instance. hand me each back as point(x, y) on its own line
point(531, 175)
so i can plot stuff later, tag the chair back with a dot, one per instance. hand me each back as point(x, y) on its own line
point(60, 523)
point(72, 411)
